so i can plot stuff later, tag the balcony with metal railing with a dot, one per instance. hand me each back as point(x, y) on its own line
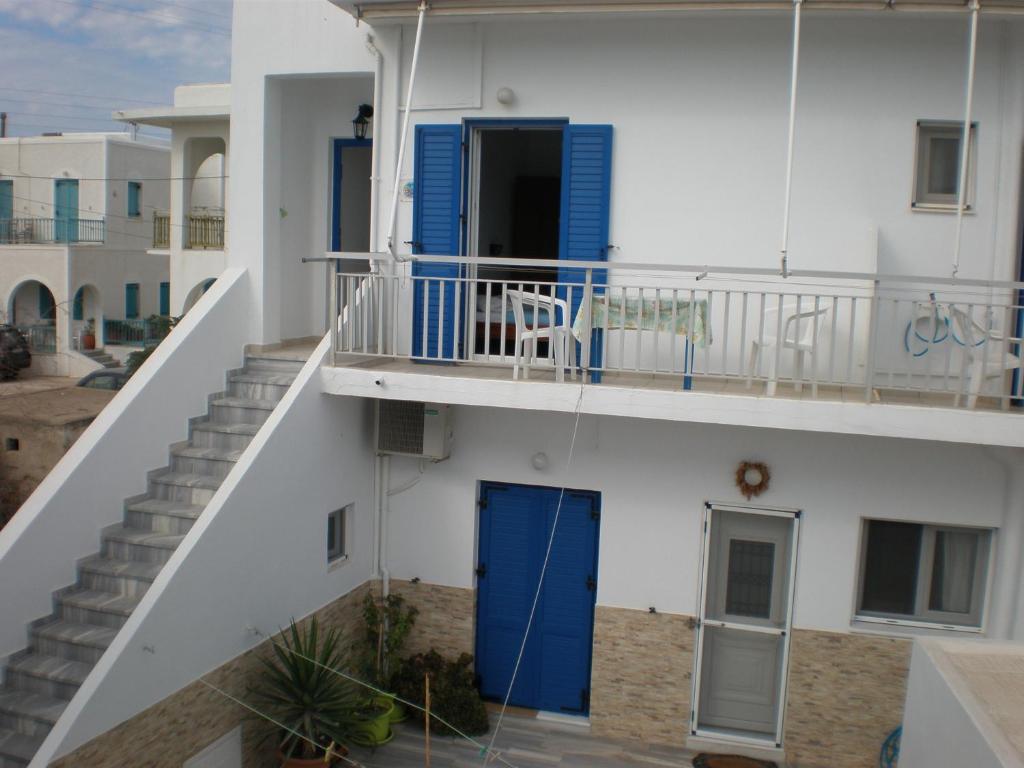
point(205, 231)
point(41, 231)
point(136, 332)
point(822, 351)
point(41, 337)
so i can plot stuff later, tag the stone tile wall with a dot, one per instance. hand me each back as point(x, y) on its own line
point(445, 621)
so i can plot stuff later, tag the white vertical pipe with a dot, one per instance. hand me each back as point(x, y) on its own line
point(405, 127)
point(376, 148)
point(965, 136)
point(792, 136)
point(385, 483)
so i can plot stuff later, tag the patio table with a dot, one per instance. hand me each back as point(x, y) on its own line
point(662, 314)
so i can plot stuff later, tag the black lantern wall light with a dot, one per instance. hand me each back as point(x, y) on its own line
point(362, 121)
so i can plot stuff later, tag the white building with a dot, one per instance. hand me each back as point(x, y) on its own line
point(754, 533)
point(191, 231)
point(76, 217)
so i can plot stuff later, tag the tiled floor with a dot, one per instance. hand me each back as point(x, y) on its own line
point(524, 742)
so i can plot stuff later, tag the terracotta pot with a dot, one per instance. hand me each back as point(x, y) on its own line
point(89, 341)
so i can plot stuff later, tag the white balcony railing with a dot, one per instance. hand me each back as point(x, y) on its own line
point(852, 336)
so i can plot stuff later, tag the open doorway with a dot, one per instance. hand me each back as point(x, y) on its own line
point(350, 204)
point(516, 191)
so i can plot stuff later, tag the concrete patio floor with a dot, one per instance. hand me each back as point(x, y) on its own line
point(525, 742)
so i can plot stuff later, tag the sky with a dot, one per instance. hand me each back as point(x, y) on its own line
point(68, 64)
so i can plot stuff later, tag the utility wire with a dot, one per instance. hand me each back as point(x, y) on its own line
point(81, 96)
point(120, 178)
point(206, 12)
point(120, 10)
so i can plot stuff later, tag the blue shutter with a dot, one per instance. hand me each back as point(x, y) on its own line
point(165, 299)
point(435, 231)
point(586, 204)
point(131, 301)
point(6, 199)
point(77, 307)
point(47, 306)
point(134, 190)
point(65, 214)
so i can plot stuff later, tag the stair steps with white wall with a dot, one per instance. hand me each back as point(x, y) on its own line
point(38, 682)
point(102, 357)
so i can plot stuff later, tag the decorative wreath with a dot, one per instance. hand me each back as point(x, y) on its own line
point(752, 478)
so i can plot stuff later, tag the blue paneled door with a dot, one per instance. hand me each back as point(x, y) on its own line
point(437, 302)
point(515, 526)
point(586, 202)
point(165, 299)
point(65, 210)
point(6, 199)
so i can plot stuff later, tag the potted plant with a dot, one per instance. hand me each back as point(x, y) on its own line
point(388, 623)
point(373, 722)
point(298, 688)
point(89, 334)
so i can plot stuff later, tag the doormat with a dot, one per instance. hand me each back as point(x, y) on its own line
point(705, 760)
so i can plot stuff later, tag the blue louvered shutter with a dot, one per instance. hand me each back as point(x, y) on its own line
point(165, 299)
point(78, 305)
point(586, 204)
point(435, 231)
point(131, 301)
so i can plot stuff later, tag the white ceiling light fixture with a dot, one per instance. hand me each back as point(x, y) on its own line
point(506, 96)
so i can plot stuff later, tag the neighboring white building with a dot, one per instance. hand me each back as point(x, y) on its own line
point(191, 230)
point(76, 218)
point(751, 533)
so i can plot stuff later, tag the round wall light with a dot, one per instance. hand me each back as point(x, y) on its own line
point(539, 461)
point(506, 96)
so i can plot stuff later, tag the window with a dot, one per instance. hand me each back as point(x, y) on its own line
point(134, 198)
point(78, 305)
point(165, 299)
point(937, 172)
point(336, 522)
point(923, 573)
point(131, 301)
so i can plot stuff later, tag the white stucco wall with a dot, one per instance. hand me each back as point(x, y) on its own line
point(654, 478)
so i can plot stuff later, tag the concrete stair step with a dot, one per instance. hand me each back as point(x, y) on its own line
point(281, 362)
point(162, 515)
point(48, 675)
point(184, 486)
point(204, 460)
point(71, 640)
point(17, 749)
point(233, 410)
point(90, 606)
point(30, 714)
point(222, 436)
point(121, 542)
point(124, 577)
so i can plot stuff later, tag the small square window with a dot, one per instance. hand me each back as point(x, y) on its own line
point(134, 198)
point(11, 444)
point(923, 573)
point(336, 525)
point(937, 166)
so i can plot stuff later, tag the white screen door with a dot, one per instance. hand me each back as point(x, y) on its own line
point(746, 608)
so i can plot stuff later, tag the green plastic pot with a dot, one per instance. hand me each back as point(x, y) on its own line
point(375, 723)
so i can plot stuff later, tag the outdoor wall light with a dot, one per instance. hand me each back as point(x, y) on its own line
point(506, 96)
point(539, 461)
point(362, 121)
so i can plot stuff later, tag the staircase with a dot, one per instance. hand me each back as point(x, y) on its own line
point(101, 357)
point(39, 681)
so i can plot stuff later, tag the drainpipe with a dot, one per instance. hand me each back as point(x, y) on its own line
point(792, 135)
point(385, 513)
point(965, 136)
point(375, 152)
point(405, 128)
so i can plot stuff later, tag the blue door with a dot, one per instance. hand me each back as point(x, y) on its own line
point(586, 203)
point(65, 210)
point(6, 200)
point(131, 301)
point(515, 526)
point(436, 315)
point(165, 299)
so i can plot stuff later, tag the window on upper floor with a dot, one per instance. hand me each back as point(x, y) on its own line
point(937, 165)
point(336, 524)
point(134, 198)
point(930, 574)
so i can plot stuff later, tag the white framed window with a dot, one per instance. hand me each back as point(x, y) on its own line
point(937, 165)
point(923, 574)
point(337, 522)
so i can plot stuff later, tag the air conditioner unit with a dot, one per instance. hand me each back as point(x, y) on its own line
point(407, 428)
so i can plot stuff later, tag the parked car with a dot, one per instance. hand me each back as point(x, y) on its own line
point(106, 378)
point(14, 352)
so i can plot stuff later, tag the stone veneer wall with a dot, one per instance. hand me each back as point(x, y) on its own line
point(641, 675)
point(446, 620)
point(846, 693)
point(186, 722)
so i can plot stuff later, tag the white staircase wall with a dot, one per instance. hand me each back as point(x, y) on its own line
point(61, 521)
point(256, 558)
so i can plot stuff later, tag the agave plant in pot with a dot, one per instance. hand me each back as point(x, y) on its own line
point(298, 688)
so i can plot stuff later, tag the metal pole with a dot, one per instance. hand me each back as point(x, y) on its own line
point(792, 135)
point(3, 125)
point(405, 129)
point(965, 135)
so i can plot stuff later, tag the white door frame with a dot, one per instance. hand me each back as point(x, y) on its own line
point(710, 507)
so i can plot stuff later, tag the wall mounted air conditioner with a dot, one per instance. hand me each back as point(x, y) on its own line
point(406, 428)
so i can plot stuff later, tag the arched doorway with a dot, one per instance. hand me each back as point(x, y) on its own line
point(32, 308)
point(87, 317)
point(196, 293)
point(204, 197)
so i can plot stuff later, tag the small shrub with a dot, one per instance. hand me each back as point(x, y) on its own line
point(392, 617)
point(453, 695)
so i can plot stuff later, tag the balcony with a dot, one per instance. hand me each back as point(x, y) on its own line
point(205, 231)
point(161, 230)
point(685, 343)
point(33, 231)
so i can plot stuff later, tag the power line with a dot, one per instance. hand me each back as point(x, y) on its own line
point(82, 96)
point(206, 12)
point(64, 104)
point(120, 10)
point(62, 117)
point(121, 178)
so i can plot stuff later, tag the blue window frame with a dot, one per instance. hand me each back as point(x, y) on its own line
point(78, 305)
point(134, 198)
point(131, 301)
point(165, 299)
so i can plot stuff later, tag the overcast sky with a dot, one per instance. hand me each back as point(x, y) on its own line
point(67, 64)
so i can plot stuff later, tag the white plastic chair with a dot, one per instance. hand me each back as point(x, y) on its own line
point(985, 353)
point(559, 335)
point(807, 323)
